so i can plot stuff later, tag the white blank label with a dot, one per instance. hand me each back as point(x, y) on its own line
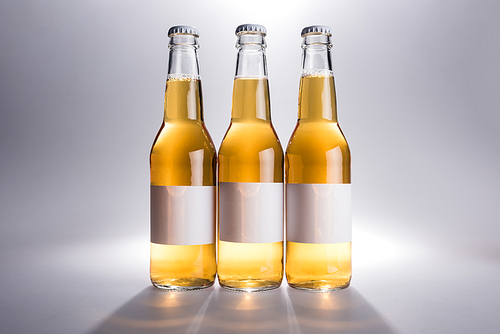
point(183, 215)
point(251, 212)
point(318, 213)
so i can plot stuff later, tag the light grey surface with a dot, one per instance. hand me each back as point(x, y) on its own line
point(280, 311)
point(81, 98)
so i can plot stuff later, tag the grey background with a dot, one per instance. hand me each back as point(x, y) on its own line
point(81, 98)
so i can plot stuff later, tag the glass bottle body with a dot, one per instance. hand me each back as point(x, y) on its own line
point(183, 164)
point(317, 154)
point(251, 154)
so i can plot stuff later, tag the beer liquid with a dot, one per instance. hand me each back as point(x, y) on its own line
point(250, 152)
point(183, 155)
point(318, 153)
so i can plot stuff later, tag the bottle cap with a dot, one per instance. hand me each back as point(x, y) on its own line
point(316, 30)
point(186, 30)
point(251, 28)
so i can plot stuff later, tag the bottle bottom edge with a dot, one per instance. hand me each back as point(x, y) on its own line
point(249, 285)
point(318, 286)
point(172, 287)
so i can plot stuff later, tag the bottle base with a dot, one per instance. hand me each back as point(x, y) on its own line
point(249, 285)
point(183, 285)
point(318, 286)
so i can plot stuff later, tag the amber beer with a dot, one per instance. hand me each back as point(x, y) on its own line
point(318, 178)
point(250, 177)
point(183, 177)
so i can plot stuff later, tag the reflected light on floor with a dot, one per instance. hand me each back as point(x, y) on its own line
point(196, 324)
point(293, 326)
point(247, 303)
point(328, 303)
point(169, 300)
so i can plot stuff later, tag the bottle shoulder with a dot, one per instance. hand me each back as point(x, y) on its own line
point(182, 136)
point(250, 139)
point(311, 138)
point(183, 155)
point(251, 153)
point(318, 153)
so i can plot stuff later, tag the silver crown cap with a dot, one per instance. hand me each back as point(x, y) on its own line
point(316, 29)
point(251, 28)
point(188, 30)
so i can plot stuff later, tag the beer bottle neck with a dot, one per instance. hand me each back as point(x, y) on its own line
point(251, 88)
point(251, 61)
point(183, 99)
point(317, 101)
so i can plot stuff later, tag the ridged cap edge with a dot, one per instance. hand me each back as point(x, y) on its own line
point(316, 30)
point(182, 29)
point(251, 28)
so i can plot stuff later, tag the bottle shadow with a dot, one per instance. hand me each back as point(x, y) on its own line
point(215, 310)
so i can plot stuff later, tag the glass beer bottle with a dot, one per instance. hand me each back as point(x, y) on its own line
point(183, 165)
point(250, 177)
point(318, 178)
